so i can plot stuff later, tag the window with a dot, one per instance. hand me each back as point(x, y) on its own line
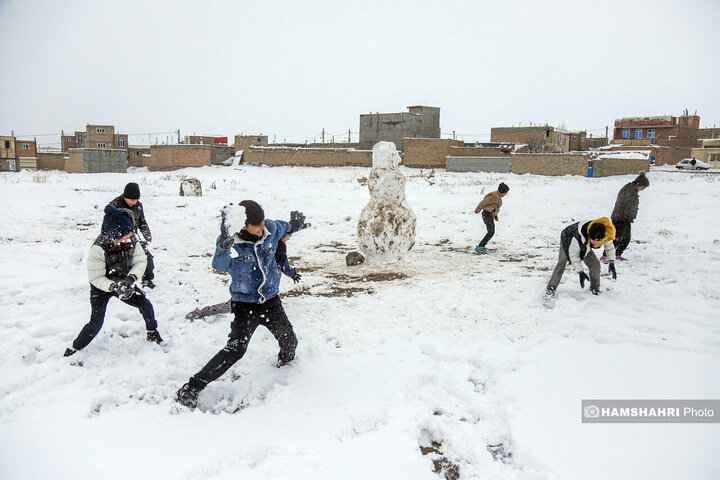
point(79, 138)
point(25, 146)
point(651, 133)
point(121, 142)
point(626, 133)
point(99, 130)
point(100, 145)
point(638, 133)
point(574, 138)
point(7, 143)
point(136, 153)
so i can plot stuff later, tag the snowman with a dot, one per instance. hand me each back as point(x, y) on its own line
point(386, 229)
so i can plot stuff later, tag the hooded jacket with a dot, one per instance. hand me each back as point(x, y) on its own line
point(575, 242)
point(253, 268)
point(627, 203)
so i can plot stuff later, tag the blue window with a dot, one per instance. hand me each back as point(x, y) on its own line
point(651, 133)
point(626, 133)
point(638, 133)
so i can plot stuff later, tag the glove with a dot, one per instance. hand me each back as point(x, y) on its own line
point(226, 240)
point(611, 270)
point(126, 282)
point(223, 225)
point(123, 291)
point(296, 278)
point(297, 222)
point(496, 218)
point(583, 276)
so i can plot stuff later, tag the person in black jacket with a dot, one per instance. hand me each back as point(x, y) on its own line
point(625, 212)
point(130, 201)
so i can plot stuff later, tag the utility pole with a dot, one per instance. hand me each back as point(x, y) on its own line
point(348, 135)
point(323, 136)
point(453, 134)
point(178, 135)
point(606, 132)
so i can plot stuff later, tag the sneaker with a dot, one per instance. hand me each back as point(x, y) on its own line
point(622, 259)
point(187, 396)
point(595, 290)
point(480, 249)
point(194, 315)
point(69, 351)
point(154, 336)
point(147, 283)
point(550, 292)
point(604, 259)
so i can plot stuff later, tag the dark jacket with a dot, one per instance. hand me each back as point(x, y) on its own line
point(138, 215)
point(626, 205)
point(107, 263)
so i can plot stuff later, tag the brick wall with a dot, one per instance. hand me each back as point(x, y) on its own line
point(477, 152)
point(172, 157)
point(75, 162)
point(309, 157)
point(550, 163)
point(50, 161)
point(623, 166)
point(428, 152)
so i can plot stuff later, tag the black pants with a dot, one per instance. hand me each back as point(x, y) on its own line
point(622, 231)
point(98, 303)
point(490, 225)
point(247, 318)
point(150, 268)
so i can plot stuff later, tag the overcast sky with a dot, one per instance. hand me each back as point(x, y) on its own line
point(291, 68)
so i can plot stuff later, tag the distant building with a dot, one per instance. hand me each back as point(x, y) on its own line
point(634, 131)
point(95, 136)
point(673, 137)
point(205, 140)
point(709, 152)
point(541, 139)
point(418, 122)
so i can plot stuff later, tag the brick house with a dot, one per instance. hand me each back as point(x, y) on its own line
point(541, 139)
point(95, 136)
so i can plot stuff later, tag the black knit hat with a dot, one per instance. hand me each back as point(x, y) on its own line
point(132, 191)
point(254, 213)
point(641, 180)
point(117, 224)
point(596, 231)
point(502, 188)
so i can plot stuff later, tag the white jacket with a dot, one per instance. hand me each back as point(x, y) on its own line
point(96, 267)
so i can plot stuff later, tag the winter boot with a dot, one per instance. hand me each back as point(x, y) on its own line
point(194, 315)
point(147, 283)
point(187, 396)
point(69, 351)
point(595, 290)
point(550, 292)
point(480, 249)
point(154, 336)
point(283, 360)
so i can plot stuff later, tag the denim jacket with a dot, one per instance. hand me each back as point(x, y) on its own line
point(254, 272)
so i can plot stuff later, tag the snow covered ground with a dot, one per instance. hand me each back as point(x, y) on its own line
point(445, 346)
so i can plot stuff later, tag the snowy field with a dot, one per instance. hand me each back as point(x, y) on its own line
point(445, 348)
